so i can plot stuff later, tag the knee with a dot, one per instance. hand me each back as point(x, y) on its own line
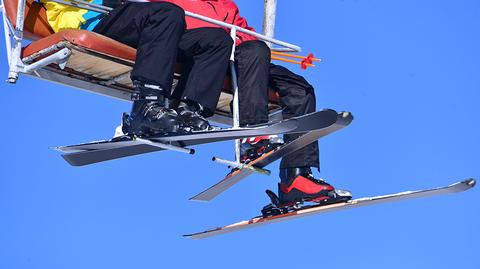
point(220, 37)
point(257, 49)
point(168, 12)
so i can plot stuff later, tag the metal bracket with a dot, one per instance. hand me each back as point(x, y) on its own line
point(242, 166)
point(60, 57)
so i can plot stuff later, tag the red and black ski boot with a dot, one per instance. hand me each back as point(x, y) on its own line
point(298, 186)
point(254, 147)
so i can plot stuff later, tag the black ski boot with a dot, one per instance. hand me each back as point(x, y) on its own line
point(190, 114)
point(254, 147)
point(150, 115)
point(298, 185)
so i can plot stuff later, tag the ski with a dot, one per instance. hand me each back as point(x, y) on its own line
point(342, 120)
point(99, 151)
point(317, 209)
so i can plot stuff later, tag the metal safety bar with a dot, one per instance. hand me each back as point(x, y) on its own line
point(165, 146)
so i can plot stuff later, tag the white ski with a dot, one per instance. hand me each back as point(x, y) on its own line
point(307, 211)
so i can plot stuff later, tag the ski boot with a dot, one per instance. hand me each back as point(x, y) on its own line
point(297, 187)
point(254, 147)
point(190, 114)
point(150, 115)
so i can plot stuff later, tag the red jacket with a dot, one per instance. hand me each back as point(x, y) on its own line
point(222, 10)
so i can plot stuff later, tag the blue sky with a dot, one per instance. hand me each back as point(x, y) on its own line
point(409, 71)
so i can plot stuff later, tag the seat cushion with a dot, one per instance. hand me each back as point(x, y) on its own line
point(83, 39)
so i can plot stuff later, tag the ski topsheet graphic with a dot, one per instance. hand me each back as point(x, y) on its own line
point(342, 120)
point(99, 151)
point(317, 209)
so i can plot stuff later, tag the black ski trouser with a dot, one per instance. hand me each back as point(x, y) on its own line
point(255, 75)
point(206, 54)
point(252, 61)
point(155, 30)
point(297, 98)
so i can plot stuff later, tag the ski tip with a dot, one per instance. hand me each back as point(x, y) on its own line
point(198, 199)
point(204, 234)
point(471, 182)
point(57, 148)
point(71, 161)
point(345, 114)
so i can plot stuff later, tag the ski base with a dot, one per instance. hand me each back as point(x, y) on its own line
point(311, 210)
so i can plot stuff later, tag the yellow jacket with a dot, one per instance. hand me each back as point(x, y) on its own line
point(61, 17)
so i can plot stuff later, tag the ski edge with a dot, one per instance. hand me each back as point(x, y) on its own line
point(256, 221)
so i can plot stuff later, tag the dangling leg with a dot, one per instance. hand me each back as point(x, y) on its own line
point(154, 29)
point(297, 182)
point(252, 63)
point(207, 52)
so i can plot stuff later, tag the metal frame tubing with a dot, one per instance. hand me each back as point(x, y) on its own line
point(165, 146)
point(270, 12)
point(15, 61)
point(7, 30)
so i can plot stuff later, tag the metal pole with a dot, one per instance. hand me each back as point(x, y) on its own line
point(236, 106)
point(270, 12)
point(165, 146)
point(15, 61)
point(8, 29)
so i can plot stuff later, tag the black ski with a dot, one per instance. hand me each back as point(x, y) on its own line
point(342, 120)
point(99, 151)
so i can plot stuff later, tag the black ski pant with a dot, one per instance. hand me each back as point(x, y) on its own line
point(157, 31)
point(205, 53)
point(297, 98)
point(154, 29)
point(252, 62)
point(255, 75)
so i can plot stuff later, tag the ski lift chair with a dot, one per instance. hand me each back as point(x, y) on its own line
point(87, 60)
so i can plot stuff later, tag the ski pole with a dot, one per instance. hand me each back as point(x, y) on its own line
point(291, 61)
point(295, 56)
